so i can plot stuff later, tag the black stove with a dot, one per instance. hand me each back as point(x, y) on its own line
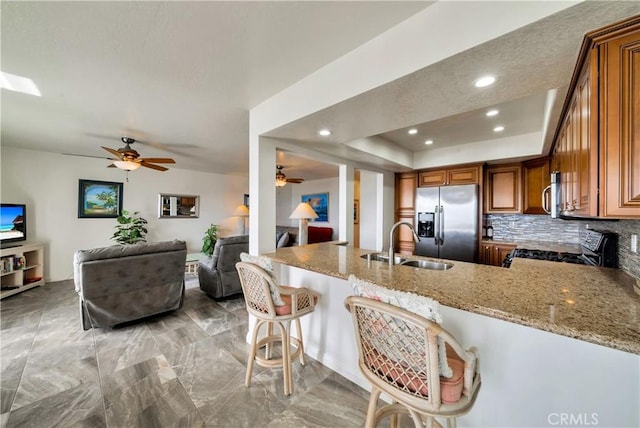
point(598, 249)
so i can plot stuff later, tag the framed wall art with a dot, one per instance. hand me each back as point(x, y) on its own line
point(99, 199)
point(320, 204)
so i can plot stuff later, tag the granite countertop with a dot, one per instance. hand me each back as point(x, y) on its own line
point(561, 247)
point(593, 304)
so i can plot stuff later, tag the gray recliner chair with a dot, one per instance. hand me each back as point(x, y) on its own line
point(127, 282)
point(218, 275)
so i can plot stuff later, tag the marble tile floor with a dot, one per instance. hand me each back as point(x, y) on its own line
point(183, 369)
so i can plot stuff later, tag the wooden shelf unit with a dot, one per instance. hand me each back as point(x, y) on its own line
point(29, 275)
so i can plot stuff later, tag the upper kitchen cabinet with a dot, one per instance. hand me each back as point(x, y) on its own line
point(535, 177)
point(502, 189)
point(469, 174)
point(620, 121)
point(597, 143)
point(405, 204)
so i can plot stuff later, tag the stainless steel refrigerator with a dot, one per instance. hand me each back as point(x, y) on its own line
point(447, 222)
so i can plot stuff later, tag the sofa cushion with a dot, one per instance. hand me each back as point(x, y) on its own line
point(283, 241)
point(319, 234)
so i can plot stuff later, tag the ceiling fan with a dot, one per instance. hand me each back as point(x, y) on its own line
point(129, 159)
point(282, 180)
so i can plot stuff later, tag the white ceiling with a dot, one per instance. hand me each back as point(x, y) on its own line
point(170, 73)
point(182, 77)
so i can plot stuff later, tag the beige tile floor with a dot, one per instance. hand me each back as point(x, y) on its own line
point(183, 369)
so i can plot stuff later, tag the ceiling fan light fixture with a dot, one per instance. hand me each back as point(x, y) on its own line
point(127, 165)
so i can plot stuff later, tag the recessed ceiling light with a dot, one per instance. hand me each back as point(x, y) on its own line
point(324, 132)
point(498, 129)
point(428, 142)
point(412, 131)
point(484, 81)
point(492, 113)
point(17, 83)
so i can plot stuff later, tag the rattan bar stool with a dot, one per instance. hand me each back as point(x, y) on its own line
point(262, 297)
point(398, 352)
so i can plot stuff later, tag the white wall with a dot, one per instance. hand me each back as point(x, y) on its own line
point(48, 184)
point(370, 228)
point(329, 185)
point(283, 205)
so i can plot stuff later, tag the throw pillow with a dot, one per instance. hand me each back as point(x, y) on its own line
point(283, 241)
point(278, 236)
point(423, 306)
point(265, 263)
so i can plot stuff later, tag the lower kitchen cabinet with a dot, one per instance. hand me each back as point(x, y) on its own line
point(494, 254)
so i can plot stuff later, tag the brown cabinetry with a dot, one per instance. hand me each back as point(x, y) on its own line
point(620, 124)
point(450, 176)
point(502, 193)
point(494, 254)
point(405, 197)
point(597, 143)
point(535, 177)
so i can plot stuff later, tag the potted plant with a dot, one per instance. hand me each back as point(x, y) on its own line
point(130, 229)
point(209, 240)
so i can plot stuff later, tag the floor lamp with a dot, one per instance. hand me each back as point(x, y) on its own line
point(303, 212)
point(242, 212)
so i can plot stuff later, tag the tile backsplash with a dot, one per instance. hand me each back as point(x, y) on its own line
point(514, 227)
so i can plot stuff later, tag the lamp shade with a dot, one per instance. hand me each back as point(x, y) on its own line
point(241, 211)
point(303, 210)
point(127, 165)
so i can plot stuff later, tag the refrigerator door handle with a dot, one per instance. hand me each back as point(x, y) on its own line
point(545, 192)
point(441, 224)
point(436, 226)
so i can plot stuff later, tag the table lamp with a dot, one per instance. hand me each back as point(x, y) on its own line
point(303, 212)
point(242, 212)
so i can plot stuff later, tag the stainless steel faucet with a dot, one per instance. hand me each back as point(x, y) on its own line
point(393, 229)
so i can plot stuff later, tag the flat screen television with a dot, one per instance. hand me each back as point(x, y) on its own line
point(13, 224)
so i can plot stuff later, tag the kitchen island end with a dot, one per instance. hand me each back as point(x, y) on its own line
point(554, 339)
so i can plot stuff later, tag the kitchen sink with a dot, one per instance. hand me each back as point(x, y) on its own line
point(420, 264)
point(382, 257)
point(425, 264)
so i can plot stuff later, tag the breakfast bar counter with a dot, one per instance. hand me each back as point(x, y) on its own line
point(556, 341)
point(597, 305)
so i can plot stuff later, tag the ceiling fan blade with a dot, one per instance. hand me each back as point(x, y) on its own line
point(158, 160)
point(87, 156)
point(113, 152)
point(294, 180)
point(152, 166)
point(111, 166)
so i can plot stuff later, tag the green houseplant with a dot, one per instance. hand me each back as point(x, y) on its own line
point(209, 240)
point(130, 228)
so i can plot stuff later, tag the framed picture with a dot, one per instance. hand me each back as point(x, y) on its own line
point(356, 211)
point(320, 204)
point(99, 199)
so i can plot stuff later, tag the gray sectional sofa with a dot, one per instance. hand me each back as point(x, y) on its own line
point(127, 282)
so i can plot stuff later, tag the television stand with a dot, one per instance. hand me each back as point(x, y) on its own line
point(21, 268)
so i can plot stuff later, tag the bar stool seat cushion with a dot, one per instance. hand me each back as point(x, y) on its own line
point(416, 381)
point(286, 298)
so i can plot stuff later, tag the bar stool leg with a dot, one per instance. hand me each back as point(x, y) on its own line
point(301, 344)
point(370, 422)
point(286, 358)
point(268, 346)
point(252, 353)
